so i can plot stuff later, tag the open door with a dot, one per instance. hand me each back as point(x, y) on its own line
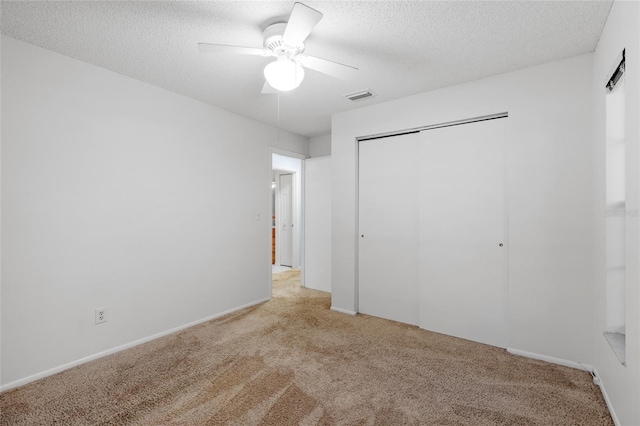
point(285, 221)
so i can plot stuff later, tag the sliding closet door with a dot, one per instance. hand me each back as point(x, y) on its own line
point(388, 224)
point(462, 231)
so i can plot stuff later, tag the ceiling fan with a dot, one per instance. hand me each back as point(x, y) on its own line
point(285, 41)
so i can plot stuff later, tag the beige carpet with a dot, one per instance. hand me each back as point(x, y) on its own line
point(293, 361)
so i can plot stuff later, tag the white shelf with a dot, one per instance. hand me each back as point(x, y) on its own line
point(617, 343)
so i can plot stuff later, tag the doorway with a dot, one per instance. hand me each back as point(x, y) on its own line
point(286, 210)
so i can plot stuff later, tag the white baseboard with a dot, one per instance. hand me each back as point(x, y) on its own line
point(553, 360)
point(343, 311)
point(578, 365)
point(129, 345)
point(614, 417)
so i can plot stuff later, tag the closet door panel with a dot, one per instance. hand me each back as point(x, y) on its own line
point(462, 227)
point(388, 228)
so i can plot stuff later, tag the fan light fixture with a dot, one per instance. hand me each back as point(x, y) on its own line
point(285, 41)
point(284, 74)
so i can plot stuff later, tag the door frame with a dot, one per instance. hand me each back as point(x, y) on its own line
point(301, 225)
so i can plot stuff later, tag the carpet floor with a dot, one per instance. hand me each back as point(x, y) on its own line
point(293, 361)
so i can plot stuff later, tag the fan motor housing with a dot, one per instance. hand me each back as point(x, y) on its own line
point(272, 36)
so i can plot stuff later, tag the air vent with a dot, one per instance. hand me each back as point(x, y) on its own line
point(357, 96)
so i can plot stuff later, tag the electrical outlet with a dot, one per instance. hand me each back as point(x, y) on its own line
point(101, 315)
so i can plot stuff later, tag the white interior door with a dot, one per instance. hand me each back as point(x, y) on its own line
point(388, 224)
point(462, 229)
point(285, 240)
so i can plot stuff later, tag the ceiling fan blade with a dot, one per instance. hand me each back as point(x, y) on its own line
point(334, 69)
point(225, 48)
point(267, 89)
point(301, 21)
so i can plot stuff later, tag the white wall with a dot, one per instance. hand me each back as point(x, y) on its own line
point(549, 195)
point(117, 193)
point(317, 215)
point(621, 384)
point(320, 146)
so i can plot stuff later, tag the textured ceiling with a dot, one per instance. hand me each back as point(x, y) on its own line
point(401, 48)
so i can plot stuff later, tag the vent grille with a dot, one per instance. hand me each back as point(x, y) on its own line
point(358, 96)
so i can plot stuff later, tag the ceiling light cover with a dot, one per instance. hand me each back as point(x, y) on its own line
point(284, 74)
